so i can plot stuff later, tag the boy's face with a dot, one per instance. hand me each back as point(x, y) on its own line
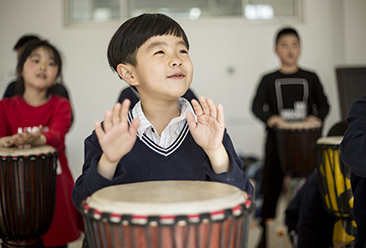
point(164, 69)
point(288, 49)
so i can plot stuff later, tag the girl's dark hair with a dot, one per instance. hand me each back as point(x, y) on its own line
point(23, 40)
point(135, 32)
point(286, 31)
point(28, 49)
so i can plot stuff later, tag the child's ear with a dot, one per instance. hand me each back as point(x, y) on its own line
point(125, 71)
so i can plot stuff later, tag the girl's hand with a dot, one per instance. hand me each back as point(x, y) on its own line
point(7, 141)
point(28, 138)
point(117, 138)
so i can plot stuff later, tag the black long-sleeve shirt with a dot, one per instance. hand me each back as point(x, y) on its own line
point(292, 96)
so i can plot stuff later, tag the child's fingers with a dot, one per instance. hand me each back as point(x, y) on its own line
point(205, 107)
point(98, 129)
point(9, 142)
point(191, 121)
point(212, 108)
point(197, 107)
point(220, 114)
point(116, 114)
point(134, 126)
point(22, 136)
point(124, 110)
point(107, 123)
point(37, 133)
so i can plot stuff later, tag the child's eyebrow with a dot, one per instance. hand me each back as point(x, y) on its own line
point(34, 55)
point(163, 43)
point(38, 56)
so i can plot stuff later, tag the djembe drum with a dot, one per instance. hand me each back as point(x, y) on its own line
point(28, 193)
point(168, 214)
point(295, 144)
point(335, 188)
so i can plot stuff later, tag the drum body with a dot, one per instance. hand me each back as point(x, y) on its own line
point(335, 189)
point(295, 146)
point(165, 214)
point(28, 191)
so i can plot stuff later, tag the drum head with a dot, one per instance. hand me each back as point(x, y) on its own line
point(14, 151)
point(332, 140)
point(299, 125)
point(166, 197)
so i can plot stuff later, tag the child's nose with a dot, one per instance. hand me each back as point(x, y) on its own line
point(42, 67)
point(176, 62)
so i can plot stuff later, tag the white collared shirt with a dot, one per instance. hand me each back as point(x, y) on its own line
point(171, 132)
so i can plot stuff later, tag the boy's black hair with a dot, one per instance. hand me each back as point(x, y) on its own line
point(286, 31)
point(24, 39)
point(28, 49)
point(133, 33)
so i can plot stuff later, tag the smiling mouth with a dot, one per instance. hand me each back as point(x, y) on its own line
point(177, 76)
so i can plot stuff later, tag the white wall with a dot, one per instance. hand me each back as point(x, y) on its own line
point(333, 33)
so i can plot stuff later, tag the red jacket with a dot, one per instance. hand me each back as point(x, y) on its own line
point(55, 117)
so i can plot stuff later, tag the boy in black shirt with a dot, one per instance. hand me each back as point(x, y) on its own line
point(288, 94)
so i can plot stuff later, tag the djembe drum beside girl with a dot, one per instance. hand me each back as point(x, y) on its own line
point(35, 118)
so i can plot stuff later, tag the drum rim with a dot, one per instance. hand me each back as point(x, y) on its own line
point(88, 205)
point(296, 126)
point(15, 152)
point(95, 215)
point(329, 141)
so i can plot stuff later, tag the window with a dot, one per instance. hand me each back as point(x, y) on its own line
point(86, 11)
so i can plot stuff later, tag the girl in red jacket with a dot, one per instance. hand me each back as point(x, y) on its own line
point(36, 117)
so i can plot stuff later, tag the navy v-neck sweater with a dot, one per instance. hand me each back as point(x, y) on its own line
point(183, 160)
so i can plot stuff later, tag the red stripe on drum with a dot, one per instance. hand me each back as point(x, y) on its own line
point(167, 219)
point(97, 214)
point(116, 218)
point(139, 219)
point(194, 218)
point(237, 210)
point(218, 215)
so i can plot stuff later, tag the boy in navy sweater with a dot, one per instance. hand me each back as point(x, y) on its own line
point(162, 137)
point(353, 155)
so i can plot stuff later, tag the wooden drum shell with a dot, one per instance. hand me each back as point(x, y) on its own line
point(295, 146)
point(335, 189)
point(224, 228)
point(28, 194)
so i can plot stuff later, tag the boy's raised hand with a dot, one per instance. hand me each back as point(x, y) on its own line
point(209, 129)
point(117, 138)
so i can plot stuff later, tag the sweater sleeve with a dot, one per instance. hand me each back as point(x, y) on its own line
point(59, 125)
point(5, 129)
point(353, 146)
point(260, 105)
point(321, 100)
point(90, 180)
point(315, 225)
point(236, 176)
